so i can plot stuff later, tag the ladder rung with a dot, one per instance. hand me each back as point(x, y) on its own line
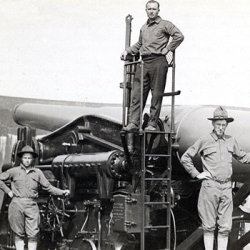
point(157, 155)
point(157, 203)
point(172, 93)
point(152, 227)
point(131, 63)
point(157, 179)
point(158, 132)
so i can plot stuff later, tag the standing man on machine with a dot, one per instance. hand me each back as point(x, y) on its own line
point(23, 211)
point(215, 205)
point(153, 46)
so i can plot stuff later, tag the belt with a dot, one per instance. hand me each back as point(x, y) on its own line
point(153, 55)
point(25, 198)
point(222, 182)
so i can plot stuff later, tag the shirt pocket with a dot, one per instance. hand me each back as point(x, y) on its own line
point(209, 151)
point(210, 155)
point(34, 181)
point(19, 181)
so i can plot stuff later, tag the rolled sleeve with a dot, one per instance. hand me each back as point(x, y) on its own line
point(187, 159)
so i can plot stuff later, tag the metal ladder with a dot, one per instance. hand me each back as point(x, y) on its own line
point(129, 72)
point(146, 152)
point(166, 175)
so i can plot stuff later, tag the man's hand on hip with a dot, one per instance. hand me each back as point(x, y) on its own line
point(203, 176)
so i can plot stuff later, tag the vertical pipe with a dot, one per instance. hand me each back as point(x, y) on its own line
point(100, 229)
point(124, 109)
point(126, 78)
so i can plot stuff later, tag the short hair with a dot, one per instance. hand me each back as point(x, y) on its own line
point(153, 1)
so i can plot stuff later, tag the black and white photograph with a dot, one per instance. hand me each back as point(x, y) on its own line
point(124, 125)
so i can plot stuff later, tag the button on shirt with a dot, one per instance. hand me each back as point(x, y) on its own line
point(25, 183)
point(154, 37)
point(216, 156)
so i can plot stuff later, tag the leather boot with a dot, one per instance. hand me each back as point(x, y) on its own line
point(222, 242)
point(209, 241)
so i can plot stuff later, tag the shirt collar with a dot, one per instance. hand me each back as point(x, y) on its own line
point(157, 20)
point(216, 138)
point(24, 168)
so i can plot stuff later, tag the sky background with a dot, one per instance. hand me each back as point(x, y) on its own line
point(70, 49)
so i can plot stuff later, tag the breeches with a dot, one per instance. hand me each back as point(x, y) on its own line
point(24, 217)
point(215, 206)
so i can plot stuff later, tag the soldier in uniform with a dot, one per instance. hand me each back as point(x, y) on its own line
point(23, 211)
point(153, 45)
point(215, 203)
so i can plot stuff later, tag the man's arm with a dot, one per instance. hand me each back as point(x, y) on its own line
point(4, 177)
point(187, 159)
point(134, 49)
point(176, 34)
point(239, 154)
point(48, 187)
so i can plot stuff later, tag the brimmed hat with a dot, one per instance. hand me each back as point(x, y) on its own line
point(220, 113)
point(27, 149)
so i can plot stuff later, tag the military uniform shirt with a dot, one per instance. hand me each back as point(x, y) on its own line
point(154, 37)
point(216, 155)
point(25, 183)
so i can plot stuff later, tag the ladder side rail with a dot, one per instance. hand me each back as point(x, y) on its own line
point(169, 175)
point(143, 193)
point(124, 103)
point(141, 95)
point(172, 127)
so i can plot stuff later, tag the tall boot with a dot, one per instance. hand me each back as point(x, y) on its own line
point(19, 243)
point(32, 244)
point(222, 242)
point(209, 240)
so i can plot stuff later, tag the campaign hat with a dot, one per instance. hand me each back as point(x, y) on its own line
point(27, 149)
point(220, 113)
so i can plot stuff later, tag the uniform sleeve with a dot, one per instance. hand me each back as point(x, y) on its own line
point(187, 158)
point(175, 33)
point(4, 177)
point(134, 49)
point(47, 186)
point(239, 154)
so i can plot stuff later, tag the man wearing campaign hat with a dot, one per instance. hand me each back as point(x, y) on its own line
point(23, 211)
point(215, 204)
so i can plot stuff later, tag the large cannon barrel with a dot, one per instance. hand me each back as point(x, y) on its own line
point(51, 117)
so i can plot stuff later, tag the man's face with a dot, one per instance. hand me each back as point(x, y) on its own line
point(27, 159)
point(152, 10)
point(220, 127)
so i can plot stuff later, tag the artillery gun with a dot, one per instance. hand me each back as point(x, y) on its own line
point(83, 152)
